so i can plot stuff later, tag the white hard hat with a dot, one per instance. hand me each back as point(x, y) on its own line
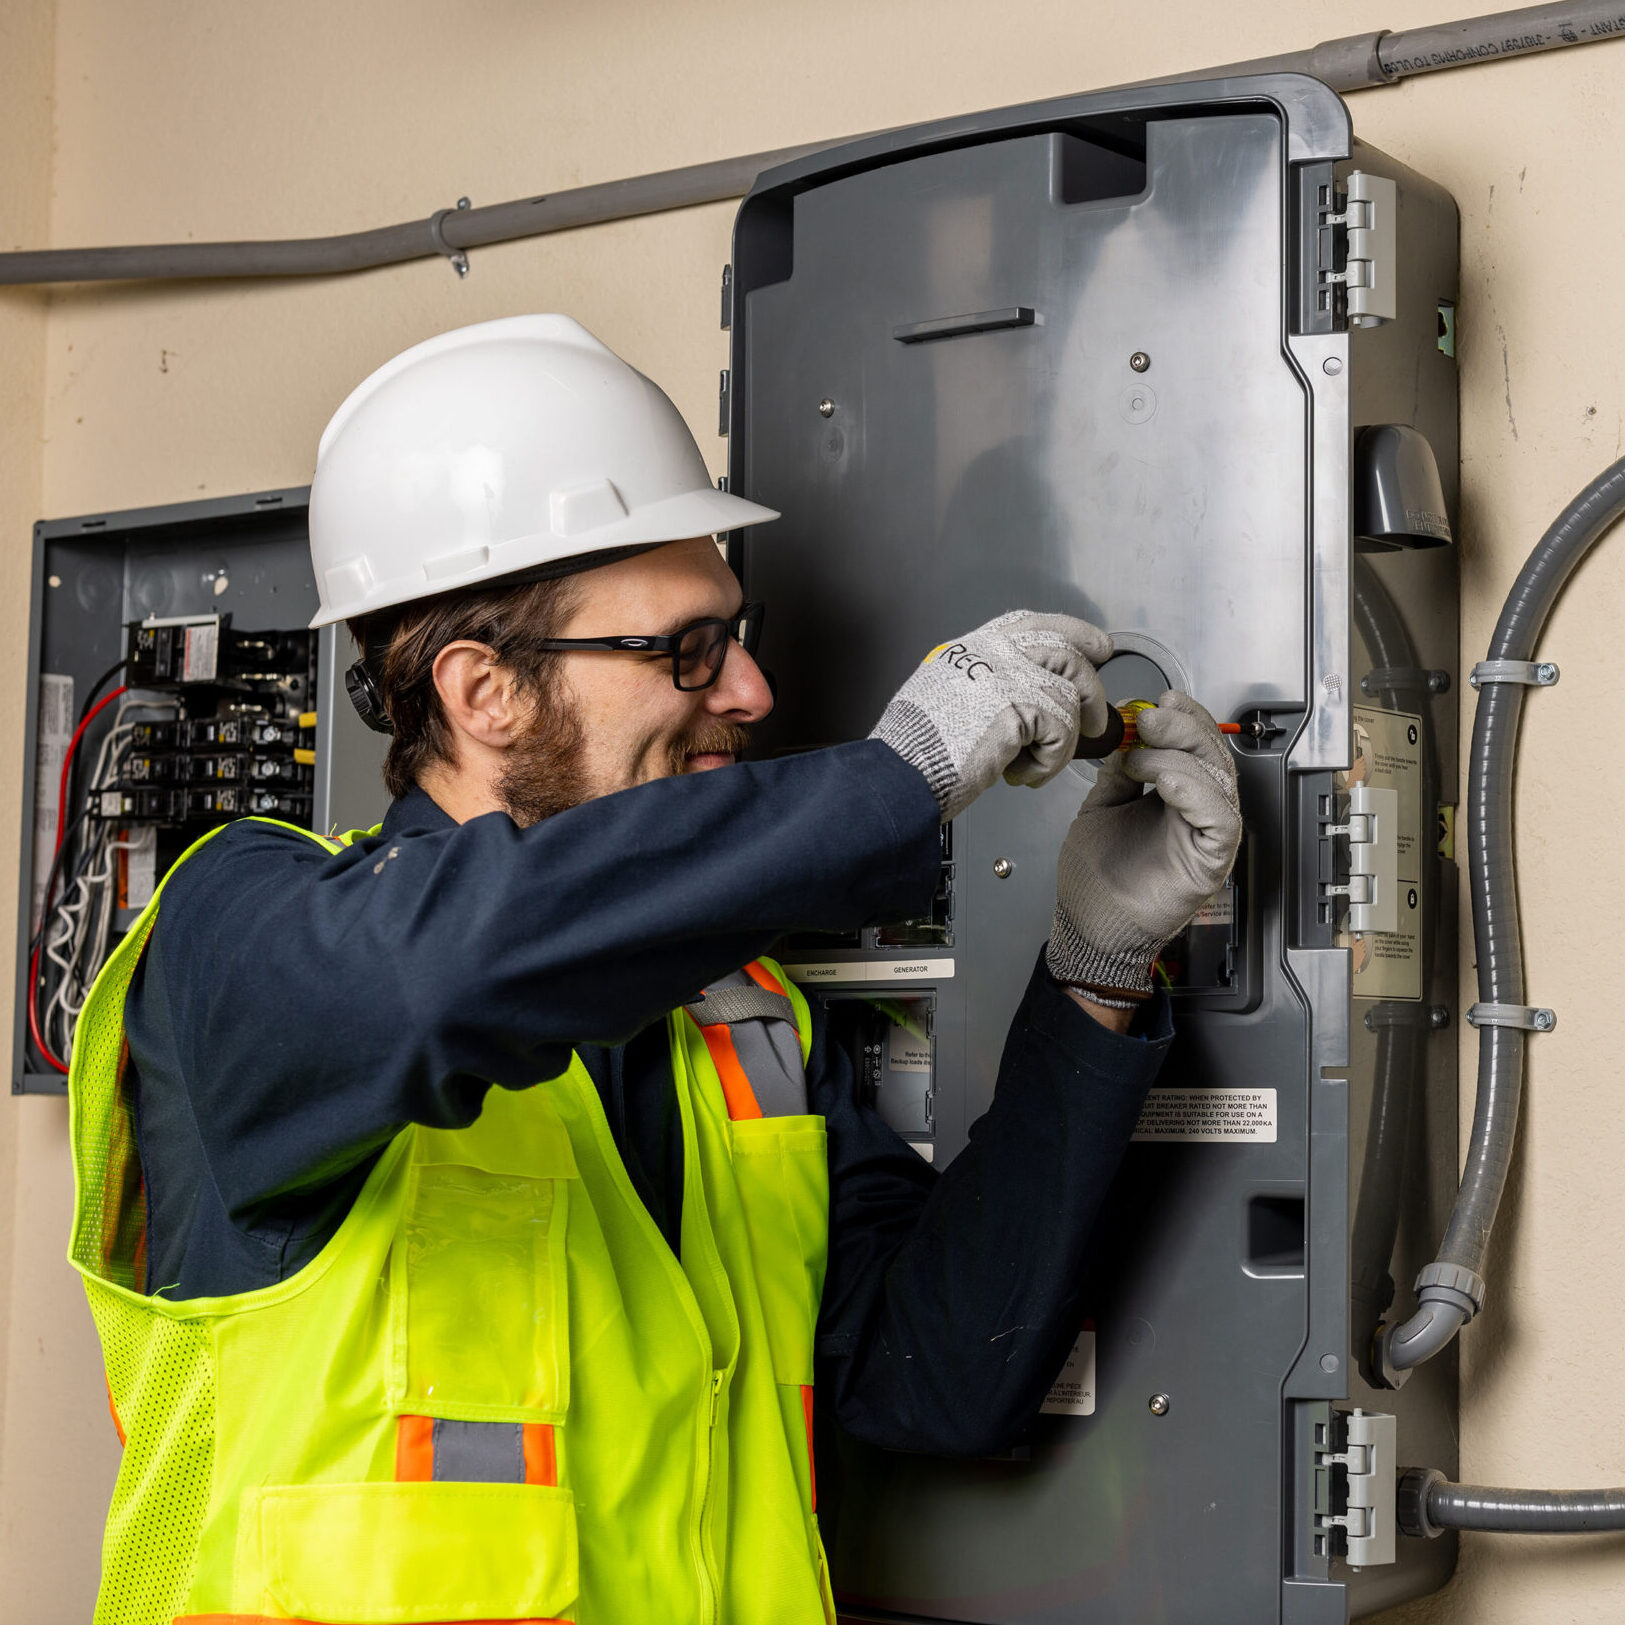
point(508, 446)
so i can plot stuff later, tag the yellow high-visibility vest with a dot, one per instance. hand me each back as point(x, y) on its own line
point(495, 1394)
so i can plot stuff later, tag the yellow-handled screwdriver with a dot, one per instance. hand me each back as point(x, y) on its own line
point(1123, 731)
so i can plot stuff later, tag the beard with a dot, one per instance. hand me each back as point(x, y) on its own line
point(546, 769)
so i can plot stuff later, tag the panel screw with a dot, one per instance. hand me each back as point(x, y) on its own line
point(1439, 1017)
point(1003, 868)
point(1160, 1404)
point(826, 408)
point(1140, 361)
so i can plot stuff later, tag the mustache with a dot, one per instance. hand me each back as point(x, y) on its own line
point(719, 738)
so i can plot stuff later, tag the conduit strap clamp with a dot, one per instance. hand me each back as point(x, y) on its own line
point(1404, 677)
point(1534, 673)
point(1453, 1284)
point(1531, 1018)
point(459, 259)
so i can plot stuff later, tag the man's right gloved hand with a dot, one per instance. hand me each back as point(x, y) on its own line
point(1008, 698)
point(1136, 866)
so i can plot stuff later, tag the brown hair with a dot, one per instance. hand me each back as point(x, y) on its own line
point(400, 646)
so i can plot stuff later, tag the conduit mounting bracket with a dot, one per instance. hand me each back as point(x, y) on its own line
point(1534, 673)
point(459, 259)
point(1530, 1018)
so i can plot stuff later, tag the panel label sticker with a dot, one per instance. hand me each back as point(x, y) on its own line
point(1208, 1116)
point(1073, 1393)
point(52, 732)
point(907, 1051)
point(137, 866)
point(1388, 756)
point(851, 972)
point(1219, 909)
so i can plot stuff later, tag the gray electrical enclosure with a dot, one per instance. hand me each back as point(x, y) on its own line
point(244, 557)
point(1111, 355)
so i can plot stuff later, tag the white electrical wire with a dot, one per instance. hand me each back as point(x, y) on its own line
point(80, 934)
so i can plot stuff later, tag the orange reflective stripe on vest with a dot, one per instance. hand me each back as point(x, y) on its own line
point(751, 1033)
point(736, 1089)
point(430, 1449)
point(267, 1619)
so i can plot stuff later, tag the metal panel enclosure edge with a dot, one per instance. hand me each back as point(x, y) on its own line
point(92, 575)
point(1094, 355)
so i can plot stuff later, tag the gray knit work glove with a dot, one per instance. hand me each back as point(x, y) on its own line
point(1135, 867)
point(1007, 698)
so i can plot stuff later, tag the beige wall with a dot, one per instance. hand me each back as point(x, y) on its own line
point(33, 1317)
point(221, 118)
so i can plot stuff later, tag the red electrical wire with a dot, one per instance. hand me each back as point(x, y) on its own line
point(61, 828)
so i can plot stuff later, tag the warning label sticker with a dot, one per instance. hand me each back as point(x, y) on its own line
point(1073, 1393)
point(1208, 1115)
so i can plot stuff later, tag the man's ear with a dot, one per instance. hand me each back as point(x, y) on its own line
point(479, 696)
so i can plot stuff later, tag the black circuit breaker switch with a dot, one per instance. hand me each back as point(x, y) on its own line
point(173, 649)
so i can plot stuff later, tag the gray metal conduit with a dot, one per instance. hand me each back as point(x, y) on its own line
point(1360, 62)
point(1428, 1504)
point(1450, 1291)
point(1400, 1074)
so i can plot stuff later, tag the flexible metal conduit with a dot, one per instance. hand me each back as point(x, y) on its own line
point(1399, 1078)
point(1450, 1291)
point(1359, 62)
point(1530, 1512)
point(1429, 1504)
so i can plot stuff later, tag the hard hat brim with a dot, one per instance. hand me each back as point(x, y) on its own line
point(352, 591)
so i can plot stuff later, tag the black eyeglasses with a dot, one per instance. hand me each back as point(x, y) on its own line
point(697, 650)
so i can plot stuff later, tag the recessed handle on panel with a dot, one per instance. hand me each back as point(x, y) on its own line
point(977, 321)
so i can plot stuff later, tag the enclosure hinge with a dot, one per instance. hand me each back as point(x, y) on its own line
point(723, 401)
point(1359, 252)
point(1356, 1459)
point(1372, 888)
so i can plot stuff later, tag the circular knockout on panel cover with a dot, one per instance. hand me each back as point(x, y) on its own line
point(1141, 669)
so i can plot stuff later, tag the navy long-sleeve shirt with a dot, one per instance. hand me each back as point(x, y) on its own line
point(294, 1010)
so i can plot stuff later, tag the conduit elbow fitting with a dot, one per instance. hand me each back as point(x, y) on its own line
point(1400, 1349)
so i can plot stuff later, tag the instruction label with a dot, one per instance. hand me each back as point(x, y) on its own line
point(54, 730)
point(1073, 1393)
point(1388, 755)
point(1219, 909)
point(1208, 1115)
point(907, 1051)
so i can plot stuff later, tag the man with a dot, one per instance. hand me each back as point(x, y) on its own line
point(462, 1223)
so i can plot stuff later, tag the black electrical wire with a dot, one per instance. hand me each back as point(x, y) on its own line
point(101, 683)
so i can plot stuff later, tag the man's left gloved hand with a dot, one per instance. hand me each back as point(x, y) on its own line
point(1134, 867)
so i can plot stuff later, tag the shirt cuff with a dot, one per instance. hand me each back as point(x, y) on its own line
point(1055, 1013)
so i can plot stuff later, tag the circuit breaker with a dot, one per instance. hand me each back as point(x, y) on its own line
point(174, 685)
point(1178, 360)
